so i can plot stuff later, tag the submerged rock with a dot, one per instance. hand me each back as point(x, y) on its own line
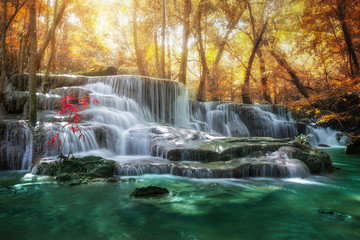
point(333, 213)
point(149, 191)
point(353, 146)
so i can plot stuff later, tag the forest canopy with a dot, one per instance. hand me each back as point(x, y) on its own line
point(302, 53)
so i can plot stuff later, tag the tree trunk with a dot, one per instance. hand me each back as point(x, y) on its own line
point(295, 79)
point(185, 39)
point(168, 64)
point(213, 80)
point(201, 92)
point(24, 45)
point(45, 84)
point(46, 42)
point(63, 37)
point(32, 64)
point(3, 57)
point(246, 87)
point(264, 77)
point(156, 50)
point(162, 47)
point(232, 95)
point(353, 61)
point(139, 56)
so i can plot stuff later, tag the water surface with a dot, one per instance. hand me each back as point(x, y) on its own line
point(317, 207)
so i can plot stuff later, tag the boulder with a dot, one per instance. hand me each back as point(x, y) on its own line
point(149, 191)
point(315, 159)
point(74, 171)
point(353, 146)
point(223, 149)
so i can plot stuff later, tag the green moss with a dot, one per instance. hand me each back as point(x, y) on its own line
point(315, 159)
point(73, 171)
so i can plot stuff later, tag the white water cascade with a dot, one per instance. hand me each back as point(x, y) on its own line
point(327, 137)
point(138, 113)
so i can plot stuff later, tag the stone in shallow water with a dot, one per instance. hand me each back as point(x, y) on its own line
point(354, 145)
point(333, 213)
point(149, 191)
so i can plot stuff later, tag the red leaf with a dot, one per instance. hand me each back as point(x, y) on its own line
point(69, 123)
point(73, 129)
point(84, 138)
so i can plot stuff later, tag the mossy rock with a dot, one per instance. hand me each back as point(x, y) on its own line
point(225, 149)
point(47, 168)
point(353, 146)
point(77, 170)
point(63, 177)
point(315, 159)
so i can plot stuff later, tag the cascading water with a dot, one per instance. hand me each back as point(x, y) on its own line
point(16, 145)
point(231, 119)
point(135, 111)
point(326, 137)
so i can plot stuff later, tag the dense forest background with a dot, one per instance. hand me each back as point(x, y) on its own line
point(299, 53)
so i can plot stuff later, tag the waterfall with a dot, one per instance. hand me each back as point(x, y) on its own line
point(326, 137)
point(164, 99)
point(16, 144)
point(238, 120)
point(140, 118)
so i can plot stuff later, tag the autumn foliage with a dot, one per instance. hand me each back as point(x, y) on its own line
point(301, 53)
point(337, 105)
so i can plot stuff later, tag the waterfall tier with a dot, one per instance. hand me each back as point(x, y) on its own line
point(141, 116)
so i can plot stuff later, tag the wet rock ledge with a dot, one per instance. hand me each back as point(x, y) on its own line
point(226, 149)
point(217, 158)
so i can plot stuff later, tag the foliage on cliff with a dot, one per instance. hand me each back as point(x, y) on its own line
point(337, 105)
point(253, 51)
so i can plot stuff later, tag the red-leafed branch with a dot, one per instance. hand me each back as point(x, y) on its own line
point(71, 108)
